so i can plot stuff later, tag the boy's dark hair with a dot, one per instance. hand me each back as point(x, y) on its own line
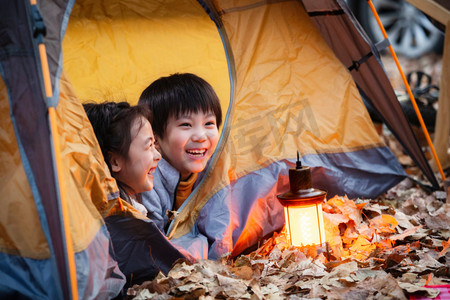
point(112, 123)
point(177, 94)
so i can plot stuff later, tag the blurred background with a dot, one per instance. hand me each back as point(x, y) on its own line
point(418, 41)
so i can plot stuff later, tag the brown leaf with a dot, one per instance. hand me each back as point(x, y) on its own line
point(146, 294)
point(208, 268)
point(366, 231)
point(404, 220)
point(180, 271)
point(375, 207)
point(346, 207)
point(440, 219)
point(333, 264)
point(384, 223)
point(271, 289)
point(361, 249)
point(445, 249)
point(232, 287)
point(384, 286)
point(193, 290)
point(411, 288)
point(242, 261)
point(342, 270)
point(405, 233)
point(409, 277)
point(256, 289)
point(336, 218)
point(393, 260)
point(350, 234)
point(244, 272)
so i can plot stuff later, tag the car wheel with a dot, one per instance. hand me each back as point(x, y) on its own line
point(410, 31)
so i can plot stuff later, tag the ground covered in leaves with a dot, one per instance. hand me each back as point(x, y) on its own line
point(386, 248)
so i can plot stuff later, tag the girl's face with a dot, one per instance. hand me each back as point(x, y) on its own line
point(137, 170)
point(189, 141)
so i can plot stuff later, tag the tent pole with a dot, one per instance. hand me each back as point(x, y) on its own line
point(64, 208)
point(59, 171)
point(408, 89)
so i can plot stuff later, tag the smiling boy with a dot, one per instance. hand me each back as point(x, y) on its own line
point(187, 115)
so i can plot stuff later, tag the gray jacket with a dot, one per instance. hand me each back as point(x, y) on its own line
point(160, 200)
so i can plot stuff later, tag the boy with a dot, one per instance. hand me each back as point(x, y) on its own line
point(187, 115)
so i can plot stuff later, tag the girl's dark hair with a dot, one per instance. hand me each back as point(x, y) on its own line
point(112, 123)
point(174, 95)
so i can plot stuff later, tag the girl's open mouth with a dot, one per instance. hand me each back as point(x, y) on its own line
point(151, 171)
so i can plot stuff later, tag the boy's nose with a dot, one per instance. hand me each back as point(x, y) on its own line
point(199, 136)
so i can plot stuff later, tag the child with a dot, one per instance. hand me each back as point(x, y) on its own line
point(187, 115)
point(126, 139)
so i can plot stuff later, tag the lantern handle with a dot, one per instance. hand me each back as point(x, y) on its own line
point(298, 164)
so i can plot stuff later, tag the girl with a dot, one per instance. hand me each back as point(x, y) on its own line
point(128, 146)
point(126, 139)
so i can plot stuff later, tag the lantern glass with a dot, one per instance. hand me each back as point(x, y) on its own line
point(304, 224)
point(303, 208)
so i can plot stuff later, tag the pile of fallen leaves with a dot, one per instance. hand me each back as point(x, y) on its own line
point(387, 248)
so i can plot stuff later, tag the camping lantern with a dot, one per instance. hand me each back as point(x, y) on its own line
point(303, 208)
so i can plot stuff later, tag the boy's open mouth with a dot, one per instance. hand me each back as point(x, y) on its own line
point(196, 152)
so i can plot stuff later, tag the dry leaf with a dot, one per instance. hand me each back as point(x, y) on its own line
point(145, 294)
point(256, 289)
point(270, 289)
point(361, 249)
point(445, 249)
point(411, 288)
point(343, 270)
point(243, 272)
point(348, 208)
point(384, 223)
point(439, 219)
point(336, 218)
point(375, 207)
point(232, 287)
point(180, 271)
point(405, 233)
point(403, 220)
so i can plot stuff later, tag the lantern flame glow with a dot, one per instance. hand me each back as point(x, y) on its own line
point(304, 224)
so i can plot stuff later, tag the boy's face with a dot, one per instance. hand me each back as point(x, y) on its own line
point(189, 141)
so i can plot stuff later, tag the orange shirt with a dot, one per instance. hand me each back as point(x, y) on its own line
point(184, 189)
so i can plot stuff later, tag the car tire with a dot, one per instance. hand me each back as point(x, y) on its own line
point(409, 30)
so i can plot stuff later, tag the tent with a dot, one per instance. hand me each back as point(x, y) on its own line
point(34, 233)
point(290, 76)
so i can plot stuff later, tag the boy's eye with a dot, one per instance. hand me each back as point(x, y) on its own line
point(185, 124)
point(211, 123)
